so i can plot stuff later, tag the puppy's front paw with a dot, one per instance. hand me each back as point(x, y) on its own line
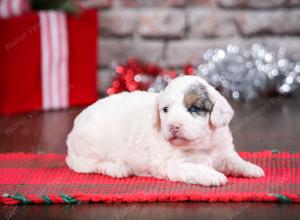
point(252, 170)
point(212, 178)
point(195, 174)
point(215, 178)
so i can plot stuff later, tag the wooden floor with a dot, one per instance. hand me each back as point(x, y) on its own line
point(259, 125)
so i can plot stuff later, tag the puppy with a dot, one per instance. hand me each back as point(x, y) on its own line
point(181, 134)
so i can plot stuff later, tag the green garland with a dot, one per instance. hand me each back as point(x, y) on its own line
point(67, 6)
point(46, 199)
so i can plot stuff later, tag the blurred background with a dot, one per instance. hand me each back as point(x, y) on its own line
point(173, 33)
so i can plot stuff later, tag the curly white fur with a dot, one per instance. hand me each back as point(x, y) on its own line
point(130, 134)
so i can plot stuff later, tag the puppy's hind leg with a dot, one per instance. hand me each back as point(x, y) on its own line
point(87, 165)
point(113, 169)
point(82, 164)
point(79, 155)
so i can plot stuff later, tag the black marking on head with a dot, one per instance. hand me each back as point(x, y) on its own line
point(197, 101)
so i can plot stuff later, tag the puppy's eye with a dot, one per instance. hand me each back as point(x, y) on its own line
point(166, 109)
point(195, 108)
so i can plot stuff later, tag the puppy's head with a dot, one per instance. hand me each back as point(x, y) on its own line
point(188, 111)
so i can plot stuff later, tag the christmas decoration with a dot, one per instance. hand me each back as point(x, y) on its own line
point(136, 75)
point(244, 74)
point(48, 61)
point(68, 6)
point(10, 8)
point(239, 73)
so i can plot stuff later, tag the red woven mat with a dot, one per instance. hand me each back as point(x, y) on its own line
point(32, 178)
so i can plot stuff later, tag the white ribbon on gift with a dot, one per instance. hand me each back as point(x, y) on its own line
point(55, 59)
point(10, 8)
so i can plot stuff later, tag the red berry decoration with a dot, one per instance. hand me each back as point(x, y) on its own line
point(137, 75)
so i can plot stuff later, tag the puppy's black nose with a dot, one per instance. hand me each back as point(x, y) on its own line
point(174, 128)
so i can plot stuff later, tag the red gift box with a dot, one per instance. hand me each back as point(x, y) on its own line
point(22, 84)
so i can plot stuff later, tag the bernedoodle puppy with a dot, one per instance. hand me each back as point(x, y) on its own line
point(181, 134)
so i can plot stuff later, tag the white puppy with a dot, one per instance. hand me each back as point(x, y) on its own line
point(181, 134)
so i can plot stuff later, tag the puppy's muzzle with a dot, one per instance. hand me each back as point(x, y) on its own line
point(174, 128)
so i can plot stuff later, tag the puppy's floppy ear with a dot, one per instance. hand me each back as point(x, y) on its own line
point(222, 112)
point(155, 115)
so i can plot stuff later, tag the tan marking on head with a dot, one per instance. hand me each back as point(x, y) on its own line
point(190, 99)
point(197, 95)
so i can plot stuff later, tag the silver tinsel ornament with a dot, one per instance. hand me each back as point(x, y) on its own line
point(239, 73)
point(244, 74)
point(160, 83)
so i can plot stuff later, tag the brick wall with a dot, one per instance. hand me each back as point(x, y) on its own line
point(174, 32)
